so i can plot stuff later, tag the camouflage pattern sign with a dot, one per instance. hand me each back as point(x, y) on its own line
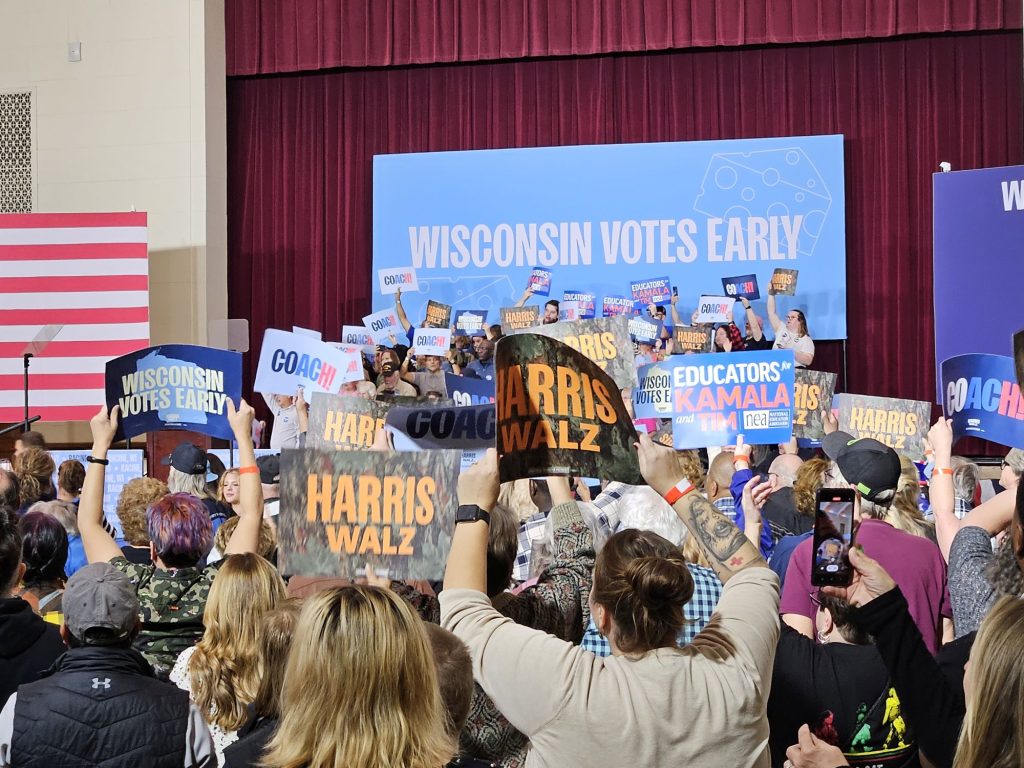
point(784, 281)
point(559, 414)
point(811, 395)
point(344, 422)
point(515, 318)
point(692, 338)
point(603, 340)
point(343, 511)
point(900, 424)
point(438, 315)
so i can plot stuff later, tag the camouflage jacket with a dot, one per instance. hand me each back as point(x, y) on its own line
point(172, 603)
point(556, 604)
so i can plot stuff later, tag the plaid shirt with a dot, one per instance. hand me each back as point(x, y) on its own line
point(531, 530)
point(706, 591)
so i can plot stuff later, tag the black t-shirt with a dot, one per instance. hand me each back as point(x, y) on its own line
point(757, 346)
point(780, 508)
point(844, 694)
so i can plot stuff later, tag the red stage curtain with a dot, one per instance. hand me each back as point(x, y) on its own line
point(269, 36)
point(300, 154)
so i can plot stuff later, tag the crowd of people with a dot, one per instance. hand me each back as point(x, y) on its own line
point(671, 623)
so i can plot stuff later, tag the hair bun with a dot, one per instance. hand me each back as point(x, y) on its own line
point(659, 581)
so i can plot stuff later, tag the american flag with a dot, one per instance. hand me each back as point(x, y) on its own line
point(86, 271)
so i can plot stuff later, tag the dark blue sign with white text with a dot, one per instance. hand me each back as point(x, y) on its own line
point(175, 386)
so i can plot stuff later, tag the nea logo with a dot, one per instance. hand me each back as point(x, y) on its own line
point(1013, 195)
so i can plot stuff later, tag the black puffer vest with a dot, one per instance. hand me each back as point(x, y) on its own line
point(100, 706)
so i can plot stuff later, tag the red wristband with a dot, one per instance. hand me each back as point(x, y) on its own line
point(250, 470)
point(677, 491)
point(942, 471)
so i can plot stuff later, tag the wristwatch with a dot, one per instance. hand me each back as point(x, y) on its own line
point(470, 513)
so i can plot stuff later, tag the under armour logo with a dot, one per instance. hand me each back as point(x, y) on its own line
point(96, 682)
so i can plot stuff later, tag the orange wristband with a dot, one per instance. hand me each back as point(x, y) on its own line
point(250, 470)
point(745, 459)
point(943, 471)
point(677, 491)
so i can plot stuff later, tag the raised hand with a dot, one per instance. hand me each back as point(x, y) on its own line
point(104, 426)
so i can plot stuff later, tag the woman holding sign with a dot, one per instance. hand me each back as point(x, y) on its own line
point(791, 334)
point(668, 705)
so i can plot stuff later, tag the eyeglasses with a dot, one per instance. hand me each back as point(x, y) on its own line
point(816, 599)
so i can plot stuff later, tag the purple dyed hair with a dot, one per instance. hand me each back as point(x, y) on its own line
point(180, 529)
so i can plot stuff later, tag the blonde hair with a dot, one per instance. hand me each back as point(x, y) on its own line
point(135, 498)
point(362, 651)
point(264, 548)
point(904, 513)
point(275, 640)
point(993, 729)
point(64, 512)
point(193, 485)
point(226, 667)
point(221, 482)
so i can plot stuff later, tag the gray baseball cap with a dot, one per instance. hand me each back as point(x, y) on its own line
point(99, 596)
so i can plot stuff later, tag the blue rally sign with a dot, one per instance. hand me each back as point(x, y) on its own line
point(712, 398)
point(466, 391)
point(174, 386)
point(982, 397)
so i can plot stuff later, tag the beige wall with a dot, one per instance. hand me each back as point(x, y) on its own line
point(139, 121)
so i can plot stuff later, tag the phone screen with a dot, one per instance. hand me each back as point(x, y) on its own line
point(833, 536)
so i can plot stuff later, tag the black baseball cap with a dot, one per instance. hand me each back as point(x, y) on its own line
point(270, 469)
point(188, 458)
point(870, 466)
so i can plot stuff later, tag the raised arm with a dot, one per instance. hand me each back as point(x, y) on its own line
point(755, 493)
point(400, 311)
point(99, 545)
point(404, 370)
point(755, 327)
point(773, 316)
point(525, 297)
point(467, 558)
point(723, 544)
point(250, 493)
point(940, 485)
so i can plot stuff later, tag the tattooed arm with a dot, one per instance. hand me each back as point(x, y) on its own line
point(722, 543)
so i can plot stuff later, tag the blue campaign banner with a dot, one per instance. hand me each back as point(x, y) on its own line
point(655, 290)
point(645, 329)
point(175, 386)
point(982, 397)
point(613, 306)
point(466, 391)
point(978, 228)
point(475, 224)
point(125, 465)
point(585, 300)
point(470, 322)
point(540, 281)
point(712, 398)
point(741, 286)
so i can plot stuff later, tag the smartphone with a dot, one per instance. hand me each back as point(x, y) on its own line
point(833, 537)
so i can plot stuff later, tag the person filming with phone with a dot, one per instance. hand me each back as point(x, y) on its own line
point(858, 491)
